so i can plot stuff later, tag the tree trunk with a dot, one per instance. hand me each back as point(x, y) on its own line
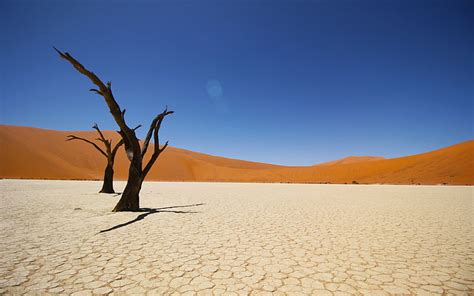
point(108, 186)
point(130, 200)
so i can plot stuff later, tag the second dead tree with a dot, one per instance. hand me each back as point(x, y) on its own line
point(109, 154)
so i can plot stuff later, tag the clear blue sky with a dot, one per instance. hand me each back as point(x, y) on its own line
point(293, 83)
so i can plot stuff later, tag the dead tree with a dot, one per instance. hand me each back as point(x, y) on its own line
point(130, 200)
point(109, 154)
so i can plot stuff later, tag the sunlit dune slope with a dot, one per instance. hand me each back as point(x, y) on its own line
point(44, 154)
point(28, 152)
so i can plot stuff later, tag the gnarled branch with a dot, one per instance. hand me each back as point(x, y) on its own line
point(156, 122)
point(105, 90)
point(107, 143)
point(117, 146)
point(154, 128)
point(72, 137)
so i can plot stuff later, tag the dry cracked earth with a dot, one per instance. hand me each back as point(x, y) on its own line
point(59, 237)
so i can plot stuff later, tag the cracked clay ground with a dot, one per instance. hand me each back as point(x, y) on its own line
point(236, 239)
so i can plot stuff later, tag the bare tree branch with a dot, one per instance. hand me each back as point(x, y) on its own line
point(106, 92)
point(72, 137)
point(107, 143)
point(96, 127)
point(96, 91)
point(164, 147)
point(155, 127)
point(148, 135)
point(117, 146)
point(156, 122)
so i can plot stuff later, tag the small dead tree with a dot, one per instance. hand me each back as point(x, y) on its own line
point(130, 200)
point(109, 154)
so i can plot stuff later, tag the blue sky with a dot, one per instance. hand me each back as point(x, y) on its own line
point(296, 83)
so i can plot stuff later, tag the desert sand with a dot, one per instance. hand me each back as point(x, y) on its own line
point(44, 154)
point(237, 239)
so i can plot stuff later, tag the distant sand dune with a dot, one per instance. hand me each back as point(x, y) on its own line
point(351, 159)
point(34, 153)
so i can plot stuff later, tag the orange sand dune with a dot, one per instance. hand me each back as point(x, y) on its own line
point(352, 159)
point(44, 154)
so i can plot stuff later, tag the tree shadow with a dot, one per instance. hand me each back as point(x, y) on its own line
point(149, 211)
